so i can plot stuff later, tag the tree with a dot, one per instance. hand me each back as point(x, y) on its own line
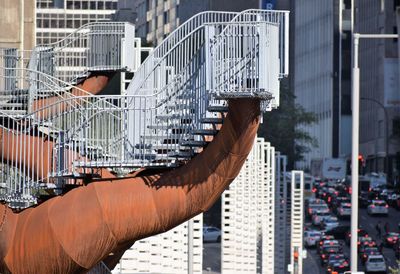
point(282, 127)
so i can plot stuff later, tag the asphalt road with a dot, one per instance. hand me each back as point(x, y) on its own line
point(312, 263)
point(211, 258)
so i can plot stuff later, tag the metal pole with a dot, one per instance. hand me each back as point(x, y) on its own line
point(190, 246)
point(354, 154)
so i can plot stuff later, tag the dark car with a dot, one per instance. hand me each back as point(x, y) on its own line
point(339, 266)
point(339, 232)
point(390, 239)
point(361, 233)
point(368, 251)
point(365, 242)
point(322, 241)
point(326, 251)
point(363, 199)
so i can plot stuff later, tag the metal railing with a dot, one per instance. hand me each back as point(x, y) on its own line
point(174, 106)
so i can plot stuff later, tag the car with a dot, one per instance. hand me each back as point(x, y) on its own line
point(378, 207)
point(311, 238)
point(211, 234)
point(375, 263)
point(367, 252)
point(364, 199)
point(338, 201)
point(390, 239)
point(326, 251)
point(319, 216)
point(361, 233)
point(322, 241)
point(365, 242)
point(312, 208)
point(339, 232)
point(344, 211)
point(337, 266)
point(330, 223)
point(328, 243)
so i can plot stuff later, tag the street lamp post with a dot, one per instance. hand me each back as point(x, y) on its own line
point(355, 140)
point(386, 168)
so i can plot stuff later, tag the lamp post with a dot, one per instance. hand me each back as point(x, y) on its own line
point(386, 168)
point(355, 140)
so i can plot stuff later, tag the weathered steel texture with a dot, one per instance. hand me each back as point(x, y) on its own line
point(71, 233)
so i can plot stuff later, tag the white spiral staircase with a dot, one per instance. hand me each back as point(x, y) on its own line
point(173, 106)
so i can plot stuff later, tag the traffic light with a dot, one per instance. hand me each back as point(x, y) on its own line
point(361, 164)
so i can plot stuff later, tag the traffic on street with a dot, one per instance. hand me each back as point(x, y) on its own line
point(327, 228)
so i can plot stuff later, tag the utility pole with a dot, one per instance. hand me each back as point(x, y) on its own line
point(355, 140)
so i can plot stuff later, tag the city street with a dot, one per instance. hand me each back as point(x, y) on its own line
point(312, 263)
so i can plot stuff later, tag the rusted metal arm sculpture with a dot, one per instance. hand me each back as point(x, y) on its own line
point(72, 233)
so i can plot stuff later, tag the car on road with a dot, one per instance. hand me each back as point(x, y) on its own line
point(339, 232)
point(322, 241)
point(328, 250)
point(337, 266)
point(344, 211)
point(327, 243)
point(375, 264)
point(390, 239)
point(378, 207)
point(320, 216)
point(361, 233)
point(313, 208)
point(311, 238)
point(365, 242)
point(211, 234)
point(330, 223)
point(368, 252)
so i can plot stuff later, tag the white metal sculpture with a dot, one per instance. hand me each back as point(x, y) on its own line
point(173, 105)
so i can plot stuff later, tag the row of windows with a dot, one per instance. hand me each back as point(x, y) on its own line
point(67, 23)
point(79, 4)
point(93, 5)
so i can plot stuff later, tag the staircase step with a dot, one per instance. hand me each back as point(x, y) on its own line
point(210, 132)
point(217, 108)
point(11, 105)
point(14, 92)
point(162, 137)
point(13, 112)
point(210, 120)
point(192, 143)
point(182, 154)
point(174, 117)
point(170, 126)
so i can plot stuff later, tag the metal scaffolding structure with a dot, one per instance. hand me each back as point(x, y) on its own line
point(60, 134)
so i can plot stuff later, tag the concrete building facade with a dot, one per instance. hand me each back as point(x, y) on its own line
point(379, 86)
point(321, 73)
point(17, 22)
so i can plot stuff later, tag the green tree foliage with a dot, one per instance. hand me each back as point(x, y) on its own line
point(282, 127)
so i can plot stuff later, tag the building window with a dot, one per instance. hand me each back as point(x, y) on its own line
point(166, 17)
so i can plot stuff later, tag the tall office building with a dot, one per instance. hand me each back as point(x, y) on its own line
point(57, 18)
point(379, 85)
point(157, 18)
point(321, 73)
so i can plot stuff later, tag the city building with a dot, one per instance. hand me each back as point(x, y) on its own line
point(379, 87)
point(18, 24)
point(321, 73)
point(166, 252)
point(248, 215)
point(55, 19)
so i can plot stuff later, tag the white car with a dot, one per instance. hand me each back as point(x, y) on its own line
point(329, 223)
point(344, 210)
point(311, 238)
point(375, 263)
point(378, 207)
point(319, 216)
point(211, 234)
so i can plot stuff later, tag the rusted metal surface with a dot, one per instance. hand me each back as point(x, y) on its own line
point(72, 233)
